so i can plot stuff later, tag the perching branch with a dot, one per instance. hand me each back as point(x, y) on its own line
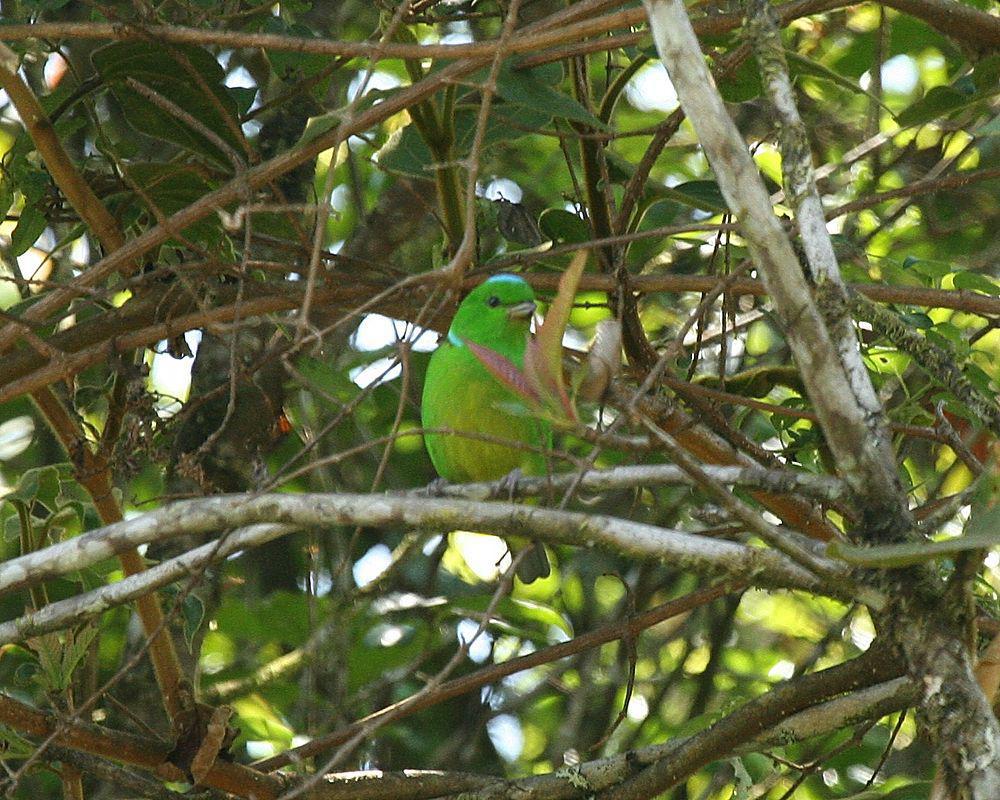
point(284, 511)
point(780, 481)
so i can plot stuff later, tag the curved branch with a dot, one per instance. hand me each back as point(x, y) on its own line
point(666, 764)
point(270, 511)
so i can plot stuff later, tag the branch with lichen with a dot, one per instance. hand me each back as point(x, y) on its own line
point(273, 515)
point(855, 436)
point(941, 365)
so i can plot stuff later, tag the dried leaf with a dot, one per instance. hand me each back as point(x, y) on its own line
point(604, 360)
point(550, 334)
point(543, 358)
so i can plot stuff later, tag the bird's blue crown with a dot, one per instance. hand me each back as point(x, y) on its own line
point(505, 277)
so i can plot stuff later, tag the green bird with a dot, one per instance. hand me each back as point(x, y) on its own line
point(462, 395)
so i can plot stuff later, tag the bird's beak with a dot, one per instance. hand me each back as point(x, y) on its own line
point(521, 310)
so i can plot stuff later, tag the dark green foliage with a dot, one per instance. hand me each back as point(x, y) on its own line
point(288, 403)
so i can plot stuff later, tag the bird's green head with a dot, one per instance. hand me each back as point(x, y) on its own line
point(496, 314)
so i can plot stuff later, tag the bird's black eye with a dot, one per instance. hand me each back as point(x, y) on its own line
point(493, 302)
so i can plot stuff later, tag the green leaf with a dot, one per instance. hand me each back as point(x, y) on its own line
point(282, 617)
point(655, 215)
point(29, 485)
point(508, 122)
point(929, 268)
point(918, 320)
point(857, 58)
point(59, 654)
point(938, 102)
point(523, 88)
point(800, 64)
point(171, 187)
point(407, 152)
point(563, 227)
point(986, 76)
point(551, 73)
point(243, 96)
point(322, 123)
point(704, 195)
point(6, 196)
point(14, 746)
point(744, 84)
point(30, 225)
point(75, 649)
point(193, 612)
point(991, 128)
point(975, 282)
point(259, 720)
point(516, 615)
point(742, 780)
point(161, 68)
point(67, 517)
point(979, 378)
point(382, 646)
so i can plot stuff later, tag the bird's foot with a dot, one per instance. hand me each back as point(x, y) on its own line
point(437, 487)
point(507, 486)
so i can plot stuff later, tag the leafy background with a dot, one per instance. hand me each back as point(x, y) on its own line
point(349, 620)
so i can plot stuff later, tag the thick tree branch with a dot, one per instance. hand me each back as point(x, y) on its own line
point(800, 189)
point(130, 749)
point(972, 26)
point(133, 782)
point(853, 429)
point(648, 771)
point(922, 626)
point(411, 784)
point(796, 548)
point(979, 30)
point(226, 512)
